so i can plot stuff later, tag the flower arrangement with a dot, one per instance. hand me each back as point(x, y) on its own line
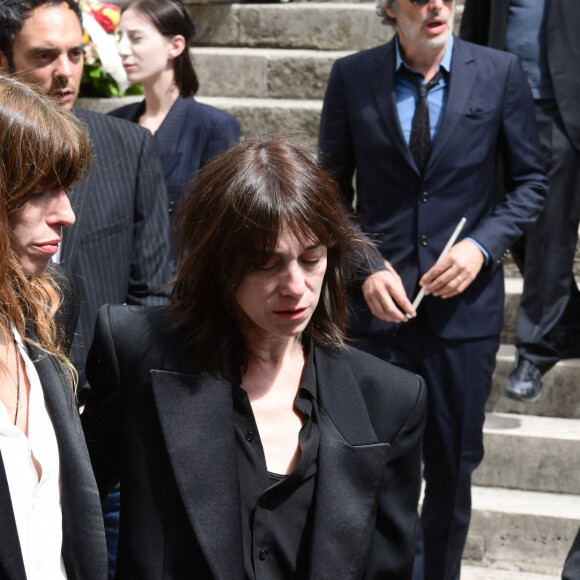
point(103, 73)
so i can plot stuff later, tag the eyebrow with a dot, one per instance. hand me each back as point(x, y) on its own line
point(52, 49)
point(306, 249)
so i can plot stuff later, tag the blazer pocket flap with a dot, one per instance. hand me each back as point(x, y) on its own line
point(478, 112)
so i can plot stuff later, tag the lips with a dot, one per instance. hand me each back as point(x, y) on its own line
point(62, 95)
point(292, 314)
point(50, 247)
point(436, 25)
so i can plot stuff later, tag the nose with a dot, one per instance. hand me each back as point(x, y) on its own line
point(124, 48)
point(63, 69)
point(294, 281)
point(61, 213)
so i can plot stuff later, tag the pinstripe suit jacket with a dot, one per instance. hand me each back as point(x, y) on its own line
point(117, 250)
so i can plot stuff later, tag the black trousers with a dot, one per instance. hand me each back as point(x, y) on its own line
point(572, 566)
point(458, 376)
point(549, 313)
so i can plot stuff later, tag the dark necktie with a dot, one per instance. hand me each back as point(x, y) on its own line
point(420, 143)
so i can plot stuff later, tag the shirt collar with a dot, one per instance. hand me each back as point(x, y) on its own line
point(445, 61)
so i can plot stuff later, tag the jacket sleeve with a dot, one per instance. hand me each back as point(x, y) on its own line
point(393, 543)
point(334, 140)
point(101, 418)
point(337, 157)
point(524, 175)
point(151, 233)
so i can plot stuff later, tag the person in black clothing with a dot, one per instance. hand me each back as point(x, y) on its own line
point(249, 440)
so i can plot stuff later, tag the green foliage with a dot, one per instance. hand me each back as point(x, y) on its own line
point(96, 83)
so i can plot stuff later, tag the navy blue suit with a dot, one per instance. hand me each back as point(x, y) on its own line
point(191, 135)
point(410, 215)
point(549, 314)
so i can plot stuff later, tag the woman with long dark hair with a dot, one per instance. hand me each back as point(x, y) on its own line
point(250, 441)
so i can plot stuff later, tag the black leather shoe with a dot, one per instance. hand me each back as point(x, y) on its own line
point(525, 381)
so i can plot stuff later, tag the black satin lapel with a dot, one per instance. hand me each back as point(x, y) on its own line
point(350, 471)
point(60, 402)
point(84, 551)
point(84, 545)
point(340, 396)
point(345, 503)
point(11, 563)
point(461, 82)
point(382, 77)
point(195, 413)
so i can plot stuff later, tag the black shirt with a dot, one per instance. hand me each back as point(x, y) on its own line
point(276, 509)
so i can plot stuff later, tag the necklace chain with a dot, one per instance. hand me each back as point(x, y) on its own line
point(17, 381)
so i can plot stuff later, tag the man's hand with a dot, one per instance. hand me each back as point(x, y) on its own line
point(454, 273)
point(386, 296)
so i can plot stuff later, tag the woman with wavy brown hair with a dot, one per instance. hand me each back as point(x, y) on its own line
point(50, 521)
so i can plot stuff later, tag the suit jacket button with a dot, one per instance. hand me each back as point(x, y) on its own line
point(263, 554)
point(424, 240)
point(424, 197)
point(171, 206)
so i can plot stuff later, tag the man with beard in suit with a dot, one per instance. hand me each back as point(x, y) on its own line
point(420, 120)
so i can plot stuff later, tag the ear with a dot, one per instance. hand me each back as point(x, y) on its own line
point(177, 46)
point(4, 66)
point(391, 9)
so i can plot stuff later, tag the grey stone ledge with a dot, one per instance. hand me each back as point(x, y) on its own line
point(523, 530)
point(323, 26)
point(264, 72)
point(531, 453)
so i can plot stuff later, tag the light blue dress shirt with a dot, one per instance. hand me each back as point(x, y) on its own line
point(407, 97)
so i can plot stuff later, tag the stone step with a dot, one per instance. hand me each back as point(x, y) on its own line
point(310, 25)
point(530, 453)
point(472, 572)
point(255, 115)
point(263, 72)
point(521, 530)
point(560, 395)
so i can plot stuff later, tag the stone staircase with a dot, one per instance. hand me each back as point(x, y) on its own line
point(268, 65)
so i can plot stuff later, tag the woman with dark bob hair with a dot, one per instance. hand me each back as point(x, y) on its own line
point(154, 36)
point(50, 513)
point(250, 441)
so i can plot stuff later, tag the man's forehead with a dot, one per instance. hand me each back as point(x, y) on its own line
point(51, 24)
